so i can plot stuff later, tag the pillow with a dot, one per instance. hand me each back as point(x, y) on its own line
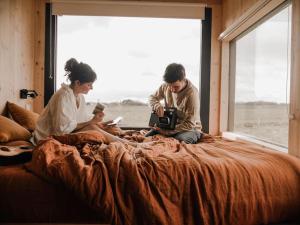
point(11, 131)
point(23, 116)
point(89, 136)
point(17, 143)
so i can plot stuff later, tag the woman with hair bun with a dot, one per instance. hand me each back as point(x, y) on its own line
point(66, 111)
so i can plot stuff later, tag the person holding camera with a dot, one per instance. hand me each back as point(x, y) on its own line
point(177, 92)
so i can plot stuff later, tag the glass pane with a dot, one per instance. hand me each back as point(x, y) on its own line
point(262, 73)
point(129, 56)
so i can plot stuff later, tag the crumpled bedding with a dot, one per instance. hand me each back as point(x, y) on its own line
point(213, 182)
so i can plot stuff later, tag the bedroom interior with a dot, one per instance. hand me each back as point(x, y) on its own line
point(227, 178)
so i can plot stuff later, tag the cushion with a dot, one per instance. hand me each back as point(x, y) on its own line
point(23, 116)
point(89, 136)
point(17, 143)
point(11, 131)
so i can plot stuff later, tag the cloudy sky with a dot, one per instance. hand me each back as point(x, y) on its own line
point(129, 55)
point(263, 61)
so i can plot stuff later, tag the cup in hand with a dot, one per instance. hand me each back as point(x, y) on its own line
point(98, 108)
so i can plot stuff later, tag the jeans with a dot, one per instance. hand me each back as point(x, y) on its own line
point(189, 137)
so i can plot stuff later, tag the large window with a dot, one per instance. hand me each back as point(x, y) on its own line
point(260, 80)
point(129, 56)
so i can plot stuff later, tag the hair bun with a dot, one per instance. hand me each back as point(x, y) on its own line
point(70, 65)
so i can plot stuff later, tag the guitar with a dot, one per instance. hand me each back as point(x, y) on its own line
point(14, 150)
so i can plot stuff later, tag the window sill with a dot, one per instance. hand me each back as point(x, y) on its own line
point(235, 136)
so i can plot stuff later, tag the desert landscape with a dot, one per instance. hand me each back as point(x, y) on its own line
point(134, 113)
point(268, 121)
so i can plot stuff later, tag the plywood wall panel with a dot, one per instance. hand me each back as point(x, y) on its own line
point(39, 52)
point(294, 129)
point(17, 50)
point(215, 80)
point(4, 51)
point(233, 9)
point(208, 2)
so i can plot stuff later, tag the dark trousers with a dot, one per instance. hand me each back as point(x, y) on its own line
point(189, 137)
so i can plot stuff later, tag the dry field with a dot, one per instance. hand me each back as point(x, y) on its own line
point(133, 115)
point(267, 121)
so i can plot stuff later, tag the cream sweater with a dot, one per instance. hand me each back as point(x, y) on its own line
point(186, 102)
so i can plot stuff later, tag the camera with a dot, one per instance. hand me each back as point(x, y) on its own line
point(168, 121)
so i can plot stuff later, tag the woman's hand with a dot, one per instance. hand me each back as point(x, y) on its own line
point(98, 117)
point(106, 124)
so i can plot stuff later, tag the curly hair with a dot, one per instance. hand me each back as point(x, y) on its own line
point(79, 71)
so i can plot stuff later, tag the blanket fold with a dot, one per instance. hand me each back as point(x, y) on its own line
point(214, 182)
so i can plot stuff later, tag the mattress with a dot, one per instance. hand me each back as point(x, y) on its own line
point(27, 198)
point(78, 179)
point(167, 182)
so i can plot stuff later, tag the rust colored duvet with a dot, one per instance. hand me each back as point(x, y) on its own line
point(214, 182)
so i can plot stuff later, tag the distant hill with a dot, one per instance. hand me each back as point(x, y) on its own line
point(125, 102)
point(260, 103)
point(132, 102)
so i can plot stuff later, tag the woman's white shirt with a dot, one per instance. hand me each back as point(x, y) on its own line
point(61, 114)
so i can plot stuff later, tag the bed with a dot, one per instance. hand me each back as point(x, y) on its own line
point(80, 178)
point(25, 198)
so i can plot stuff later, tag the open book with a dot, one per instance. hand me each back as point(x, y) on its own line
point(115, 121)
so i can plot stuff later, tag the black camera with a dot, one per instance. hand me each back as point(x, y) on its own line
point(168, 121)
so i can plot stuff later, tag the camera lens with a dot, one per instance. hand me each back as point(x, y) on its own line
point(164, 120)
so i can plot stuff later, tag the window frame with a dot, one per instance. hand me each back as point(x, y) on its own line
point(232, 69)
point(256, 15)
point(205, 64)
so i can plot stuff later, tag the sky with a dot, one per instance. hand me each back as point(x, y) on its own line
point(129, 55)
point(263, 61)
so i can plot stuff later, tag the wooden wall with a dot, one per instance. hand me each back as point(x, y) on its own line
point(294, 129)
point(233, 9)
point(39, 54)
point(17, 50)
point(215, 75)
